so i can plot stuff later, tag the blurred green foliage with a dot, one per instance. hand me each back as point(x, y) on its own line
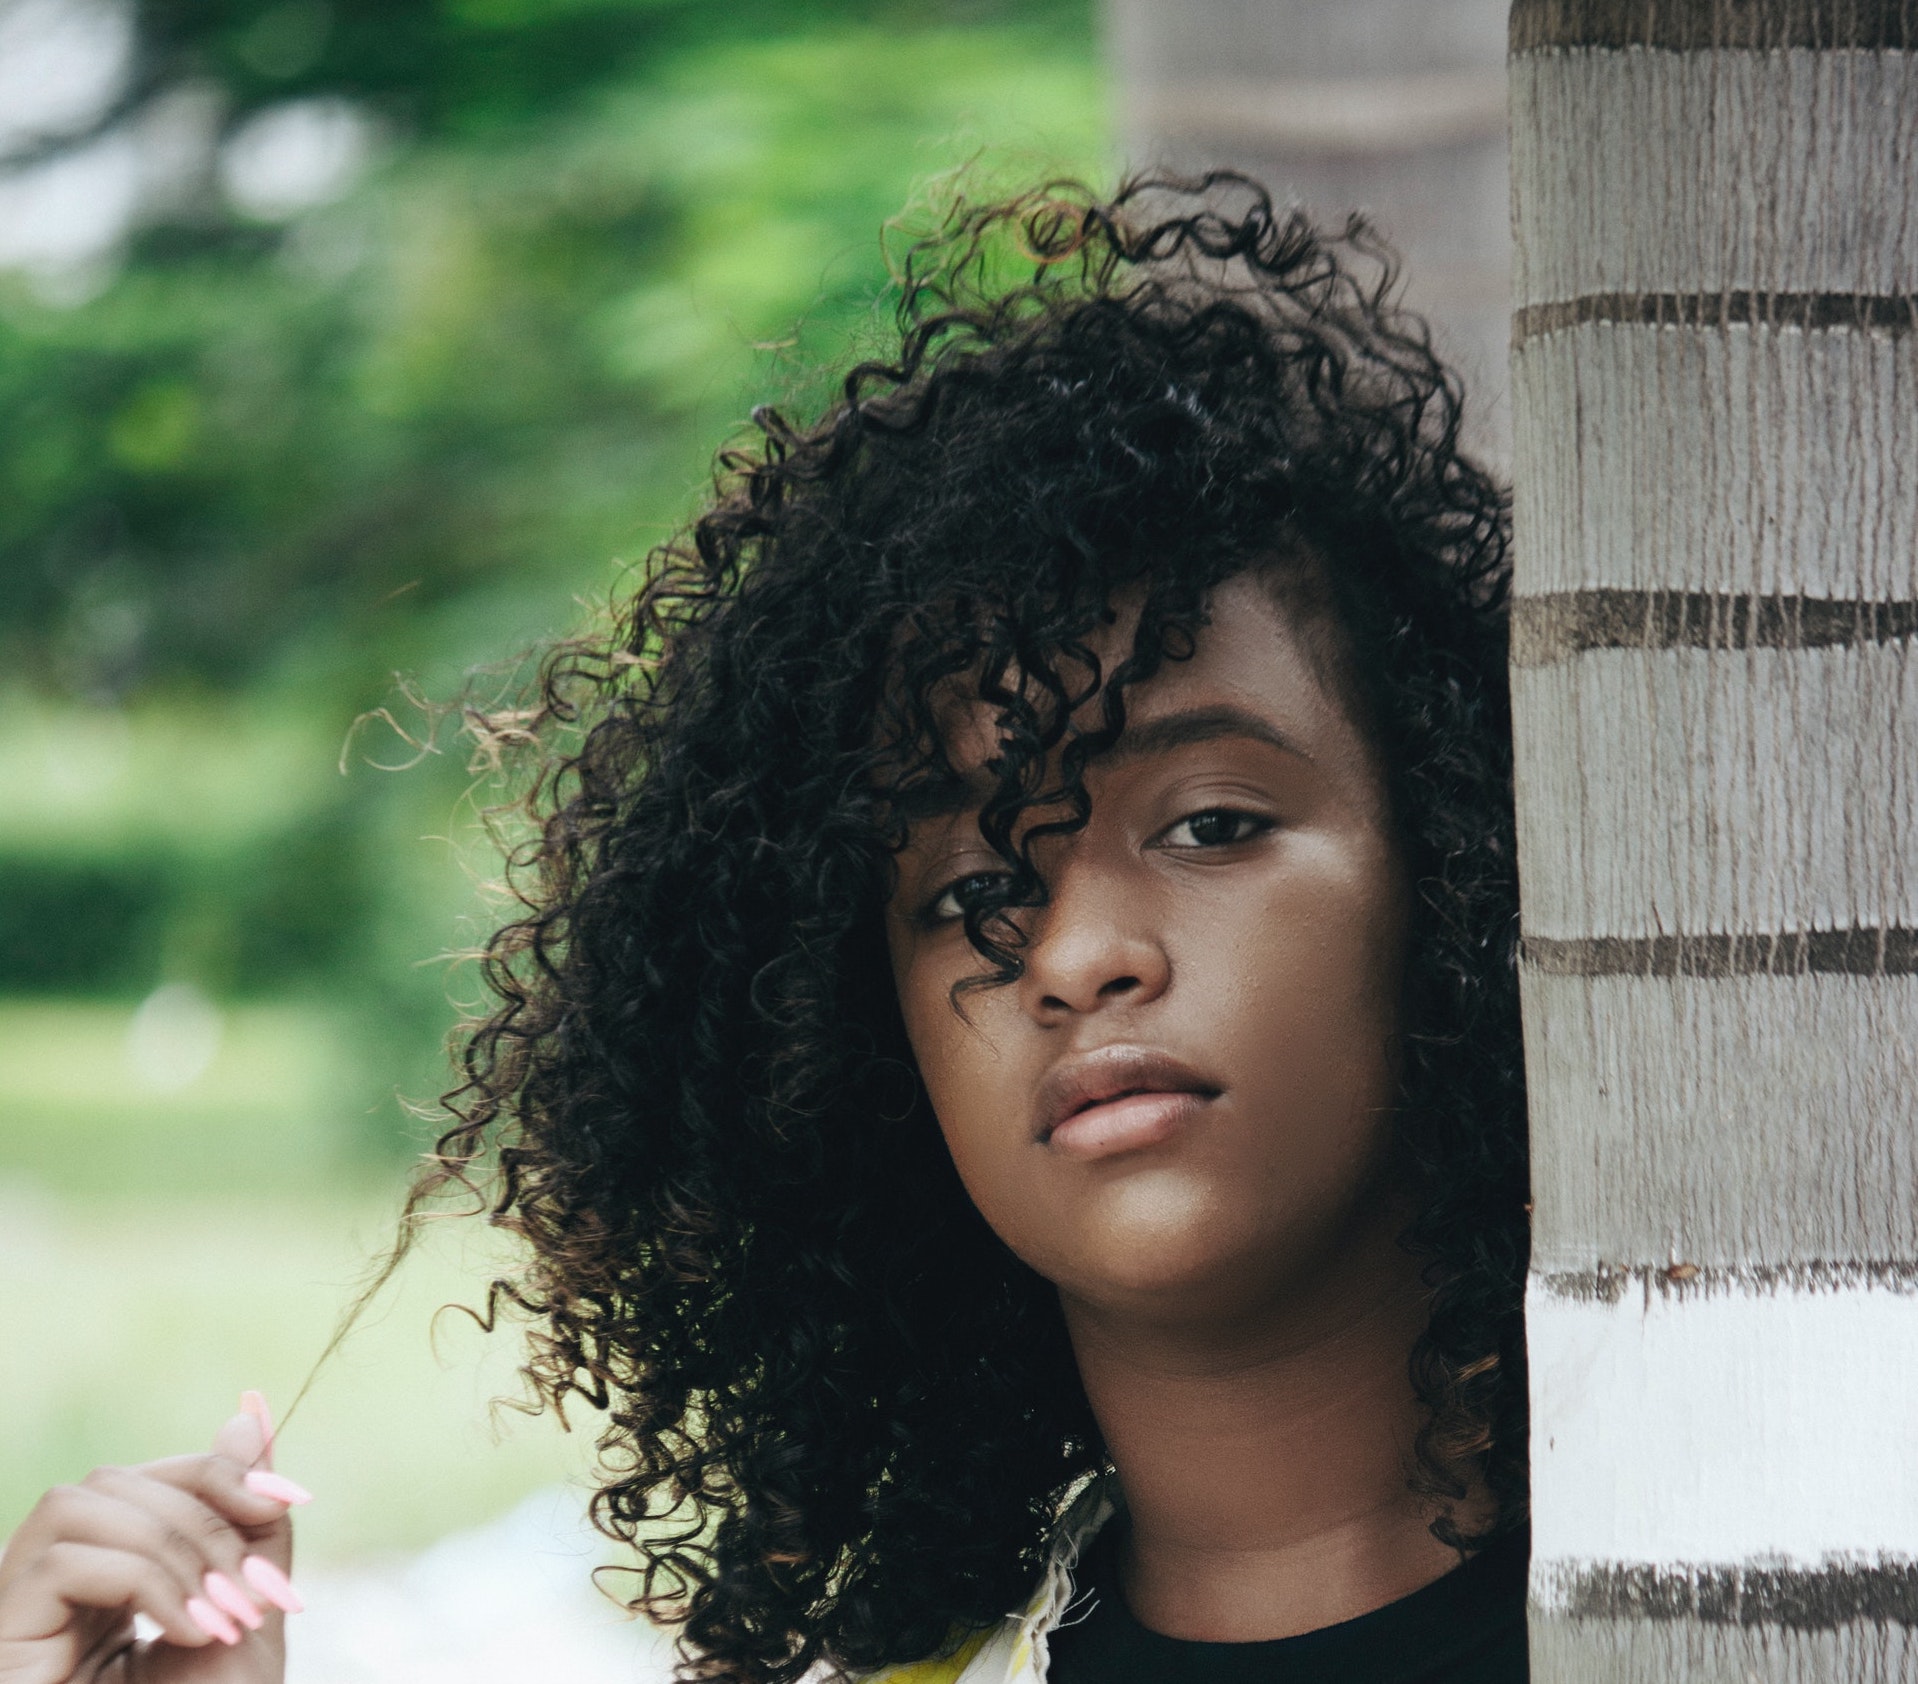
point(276, 461)
point(308, 450)
point(261, 467)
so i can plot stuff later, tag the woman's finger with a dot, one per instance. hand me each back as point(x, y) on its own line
point(243, 1437)
point(254, 1404)
point(213, 1558)
point(107, 1510)
point(238, 1523)
point(253, 1500)
point(68, 1575)
point(248, 1438)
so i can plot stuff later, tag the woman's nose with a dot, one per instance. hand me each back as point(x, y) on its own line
point(1094, 943)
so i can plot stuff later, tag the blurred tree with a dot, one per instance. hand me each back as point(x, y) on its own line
point(461, 68)
point(446, 302)
point(423, 322)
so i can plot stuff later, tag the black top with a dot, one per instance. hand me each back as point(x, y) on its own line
point(1467, 1627)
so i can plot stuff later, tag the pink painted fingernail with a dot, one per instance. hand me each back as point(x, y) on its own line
point(230, 1599)
point(271, 1583)
point(277, 1486)
point(211, 1621)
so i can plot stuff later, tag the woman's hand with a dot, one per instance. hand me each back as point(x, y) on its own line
point(198, 1544)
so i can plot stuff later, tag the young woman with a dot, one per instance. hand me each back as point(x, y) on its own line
point(1009, 1074)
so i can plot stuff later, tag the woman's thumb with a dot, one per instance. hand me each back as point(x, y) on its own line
point(254, 1404)
point(247, 1437)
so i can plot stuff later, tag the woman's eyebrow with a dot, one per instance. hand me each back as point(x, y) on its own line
point(941, 798)
point(1199, 725)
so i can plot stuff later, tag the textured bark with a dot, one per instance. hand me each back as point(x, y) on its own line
point(1395, 107)
point(1715, 398)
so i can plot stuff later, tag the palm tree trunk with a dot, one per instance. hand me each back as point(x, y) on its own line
point(1715, 399)
point(1395, 107)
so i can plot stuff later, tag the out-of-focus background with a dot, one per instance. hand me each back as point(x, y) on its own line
point(348, 349)
point(344, 348)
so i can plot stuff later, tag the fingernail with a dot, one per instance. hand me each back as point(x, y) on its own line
point(211, 1621)
point(277, 1486)
point(271, 1583)
point(254, 1404)
point(228, 1596)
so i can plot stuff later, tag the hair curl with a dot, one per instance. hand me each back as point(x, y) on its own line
point(840, 1414)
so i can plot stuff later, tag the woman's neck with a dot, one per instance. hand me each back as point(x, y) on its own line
point(1265, 1462)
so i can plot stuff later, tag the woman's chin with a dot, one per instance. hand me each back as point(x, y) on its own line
point(1173, 1251)
point(1163, 1271)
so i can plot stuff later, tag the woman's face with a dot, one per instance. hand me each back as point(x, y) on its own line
point(1181, 1108)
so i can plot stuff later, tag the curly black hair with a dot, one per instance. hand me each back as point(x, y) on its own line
point(841, 1415)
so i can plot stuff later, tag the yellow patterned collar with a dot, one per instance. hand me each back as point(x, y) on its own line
point(1014, 1650)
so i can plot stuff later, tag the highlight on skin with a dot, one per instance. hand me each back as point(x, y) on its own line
point(840, 1413)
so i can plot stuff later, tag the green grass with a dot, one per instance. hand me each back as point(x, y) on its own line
point(88, 1105)
point(165, 1243)
point(131, 1325)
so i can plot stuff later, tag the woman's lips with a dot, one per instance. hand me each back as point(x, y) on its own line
point(1117, 1098)
point(1126, 1123)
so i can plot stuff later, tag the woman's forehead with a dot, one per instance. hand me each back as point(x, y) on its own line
point(1254, 670)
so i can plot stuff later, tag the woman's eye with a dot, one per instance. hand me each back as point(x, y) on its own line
point(951, 901)
point(1216, 827)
